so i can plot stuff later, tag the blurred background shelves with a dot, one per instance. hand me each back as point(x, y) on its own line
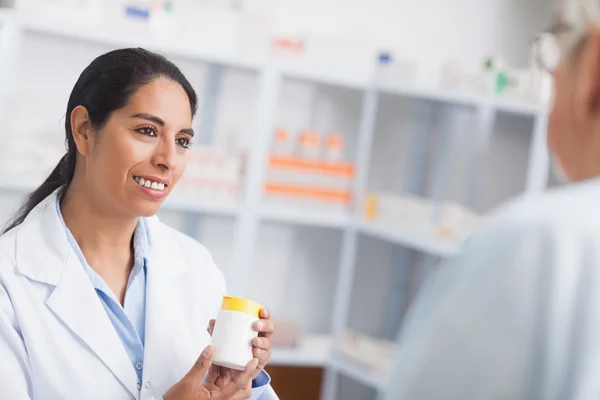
point(359, 372)
point(501, 103)
point(429, 244)
point(226, 208)
point(304, 215)
point(365, 359)
point(103, 34)
point(312, 351)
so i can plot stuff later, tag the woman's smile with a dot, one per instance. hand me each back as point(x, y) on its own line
point(153, 189)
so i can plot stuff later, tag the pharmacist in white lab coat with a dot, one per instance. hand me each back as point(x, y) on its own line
point(517, 315)
point(99, 299)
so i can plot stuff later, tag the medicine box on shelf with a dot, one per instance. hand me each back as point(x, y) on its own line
point(319, 182)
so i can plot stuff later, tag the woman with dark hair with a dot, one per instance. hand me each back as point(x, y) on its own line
point(99, 299)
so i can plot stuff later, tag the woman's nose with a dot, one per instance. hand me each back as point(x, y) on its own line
point(165, 155)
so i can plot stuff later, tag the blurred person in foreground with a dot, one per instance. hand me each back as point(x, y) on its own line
point(517, 314)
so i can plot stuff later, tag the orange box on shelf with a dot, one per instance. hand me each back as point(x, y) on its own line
point(310, 145)
point(211, 172)
point(335, 147)
point(300, 164)
point(283, 144)
point(309, 180)
point(274, 189)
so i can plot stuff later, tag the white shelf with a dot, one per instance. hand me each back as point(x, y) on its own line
point(304, 215)
point(497, 102)
point(291, 214)
point(225, 208)
point(313, 351)
point(447, 96)
point(361, 373)
point(519, 107)
point(105, 35)
point(316, 75)
point(419, 241)
point(177, 47)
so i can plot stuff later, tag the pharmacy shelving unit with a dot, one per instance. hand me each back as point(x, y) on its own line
point(315, 350)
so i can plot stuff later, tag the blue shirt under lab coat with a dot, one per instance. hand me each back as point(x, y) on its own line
point(129, 320)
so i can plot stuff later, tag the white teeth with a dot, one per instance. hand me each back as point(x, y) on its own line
point(150, 184)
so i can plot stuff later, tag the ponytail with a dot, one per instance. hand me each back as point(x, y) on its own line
point(60, 177)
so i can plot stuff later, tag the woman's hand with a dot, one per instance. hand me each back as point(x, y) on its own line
point(227, 387)
point(261, 344)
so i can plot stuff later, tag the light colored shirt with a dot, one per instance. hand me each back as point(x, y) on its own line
point(128, 320)
point(517, 314)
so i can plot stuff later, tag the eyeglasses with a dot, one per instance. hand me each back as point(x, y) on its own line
point(553, 45)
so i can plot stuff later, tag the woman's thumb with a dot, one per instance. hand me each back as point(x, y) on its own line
point(202, 364)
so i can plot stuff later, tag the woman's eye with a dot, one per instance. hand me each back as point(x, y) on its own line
point(148, 131)
point(184, 142)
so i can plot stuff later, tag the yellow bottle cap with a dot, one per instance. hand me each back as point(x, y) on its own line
point(241, 305)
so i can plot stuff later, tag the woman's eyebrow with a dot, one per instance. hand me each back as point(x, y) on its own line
point(157, 120)
point(149, 117)
point(188, 131)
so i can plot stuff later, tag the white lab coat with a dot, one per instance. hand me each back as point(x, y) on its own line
point(516, 316)
point(56, 341)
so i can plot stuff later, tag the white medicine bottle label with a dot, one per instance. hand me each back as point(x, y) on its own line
point(233, 333)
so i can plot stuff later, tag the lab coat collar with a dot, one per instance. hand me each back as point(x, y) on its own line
point(42, 247)
point(44, 254)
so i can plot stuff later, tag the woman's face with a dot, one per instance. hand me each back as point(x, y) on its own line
point(136, 159)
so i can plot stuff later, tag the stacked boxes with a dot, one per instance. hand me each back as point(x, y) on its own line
point(311, 174)
point(211, 173)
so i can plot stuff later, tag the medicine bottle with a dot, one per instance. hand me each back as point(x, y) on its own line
point(233, 332)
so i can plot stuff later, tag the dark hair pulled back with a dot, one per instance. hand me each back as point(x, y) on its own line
point(105, 86)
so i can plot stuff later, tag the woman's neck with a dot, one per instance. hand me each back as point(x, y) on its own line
point(105, 240)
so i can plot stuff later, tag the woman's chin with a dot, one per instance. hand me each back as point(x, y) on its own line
point(147, 208)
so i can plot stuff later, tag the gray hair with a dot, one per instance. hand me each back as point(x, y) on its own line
point(579, 15)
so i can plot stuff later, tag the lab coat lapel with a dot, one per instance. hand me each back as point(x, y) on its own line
point(76, 303)
point(164, 311)
point(73, 300)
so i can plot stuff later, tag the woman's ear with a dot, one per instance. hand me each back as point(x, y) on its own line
point(81, 127)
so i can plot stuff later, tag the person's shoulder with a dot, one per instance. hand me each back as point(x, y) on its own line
point(193, 252)
point(567, 211)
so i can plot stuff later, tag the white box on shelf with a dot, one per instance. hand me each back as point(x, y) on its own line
point(457, 221)
point(213, 173)
point(376, 354)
